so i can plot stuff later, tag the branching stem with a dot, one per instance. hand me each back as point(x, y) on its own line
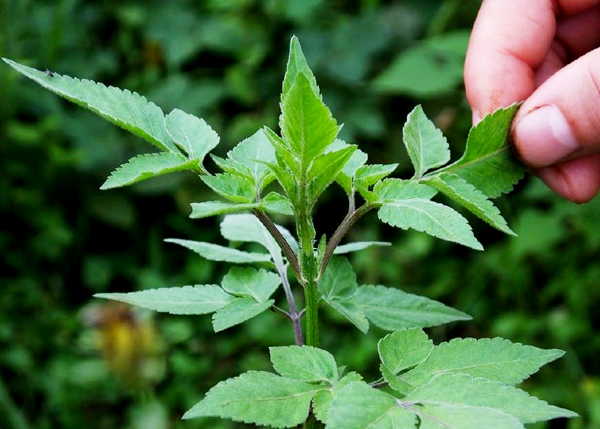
point(294, 316)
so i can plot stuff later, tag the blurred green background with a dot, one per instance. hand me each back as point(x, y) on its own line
point(69, 361)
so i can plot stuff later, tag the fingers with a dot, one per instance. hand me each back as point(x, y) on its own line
point(577, 180)
point(510, 40)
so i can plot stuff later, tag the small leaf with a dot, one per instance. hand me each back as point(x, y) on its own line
point(124, 108)
point(461, 390)
point(304, 363)
point(404, 349)
point(392, 309)
point(325, 168)
point(350, 311)
point(494, 359)
point(258, 397)
point(396, 189)
point(144, 167)
point(249, 282)
point(358, 406)
point(339, 280)
point(214, 208)
point(346, 177)
point(360, 245)
point(276, 203)
point(471, 198)
point(296, 66)
point(284, 156)
point(488, 154)
point(323, 398)
point(192, 134)
point(238, 311)
point(253, 153)
point(426, 145)
point(368, 175)
point(199, 299)
point(234, 188)
point(214, 252)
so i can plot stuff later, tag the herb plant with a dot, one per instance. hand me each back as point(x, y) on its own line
point(463, 384)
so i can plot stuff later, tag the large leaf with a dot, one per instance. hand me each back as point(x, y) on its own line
point(461, 390)
point(304, 363)
point(488, 155)
point(192, 134)
point(471, 198)
point(435, 417)
point(426, 145)
point(352, 312)
point(392, 309)
point(124, 108)
point(256, 284)
point(200, 299)
point(358, 406)
point(238, 311)
point(494, 359)
point(258, 397)
point(144, 167)
point(214, 252)
point(404, 349)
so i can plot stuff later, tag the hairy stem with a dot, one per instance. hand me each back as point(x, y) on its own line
point(280, 239)
point(293, 314)
point(312, 313)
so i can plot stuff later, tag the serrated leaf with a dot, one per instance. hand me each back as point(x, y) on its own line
point(323, 398)
point(394, 381)
point(346, 176)
point(234, 188)
point(471, 198)
point(461, 390)
point(465, 418)
point(350, 311)
point(191, 134)
point(368, 175)
point(258, 397)
point(426, 145)
point(488, 154)
point(256, 284)
point(287, 181)
point(359, 245)
point(199, 299)
point(304, 363)
point(253, 153)
point(284, 156)
point(494, 359)
point(325, 169)
point(214, 208)
point(276, 203)
point(296, 66)
point(392, 309)
point(144, 167)
point(358, 406)
point(306, 124)
point(238, 311)
point(214, 252)
point(397, 189)
point(339, 280)
point(124, 108)
point(401, 350)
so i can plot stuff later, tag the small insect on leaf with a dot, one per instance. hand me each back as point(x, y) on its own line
point(49, 73)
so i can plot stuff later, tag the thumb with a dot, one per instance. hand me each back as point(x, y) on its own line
point(560, 121)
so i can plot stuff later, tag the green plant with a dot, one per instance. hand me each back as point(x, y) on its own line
point(465, 383)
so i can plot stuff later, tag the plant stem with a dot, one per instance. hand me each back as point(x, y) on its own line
point(312, 313)
point(293, 314)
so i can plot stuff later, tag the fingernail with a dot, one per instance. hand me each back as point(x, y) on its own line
point(476, 117)
point(544, 137)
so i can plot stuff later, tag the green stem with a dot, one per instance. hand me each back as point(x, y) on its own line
point(312, 313)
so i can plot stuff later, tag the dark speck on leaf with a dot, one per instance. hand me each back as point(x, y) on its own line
point(49, 73)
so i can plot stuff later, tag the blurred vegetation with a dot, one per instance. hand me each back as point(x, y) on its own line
point(67, 361)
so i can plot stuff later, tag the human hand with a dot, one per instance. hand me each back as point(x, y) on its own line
point(545, 53)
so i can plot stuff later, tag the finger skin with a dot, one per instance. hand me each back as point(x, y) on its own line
point(577, 180)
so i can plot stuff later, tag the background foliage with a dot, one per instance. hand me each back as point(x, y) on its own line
point(67, 361)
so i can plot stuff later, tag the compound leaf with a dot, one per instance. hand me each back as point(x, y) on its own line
point(238, 311)
point(124, 108)
point(199, 299)
point(258, 397)
point(214, 252)
point(426, 145)
point(304, 363)
point(191, 134)
point(248, 282)
point(392, 309)
point(405, 349)
point(144, 167)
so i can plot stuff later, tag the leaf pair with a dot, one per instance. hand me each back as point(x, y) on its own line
point(387, 308)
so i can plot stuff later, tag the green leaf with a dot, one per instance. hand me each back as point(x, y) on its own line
point(191, 134)
point(323, 398)
point(465, 418)
point(304, 363)
point(368, 175)
point(306, 123)
point(296, 66)
point(249, 282)
point(394, 381)
point(471, 198)
point(325, 169)
point(339, 280)
point(144, 167)
point(426, 145)
point(287, 180)
point(214, 252)
point(234, 188)
point(392, 309)
point(494, 359)
point(238, 311)
point(258, 397)
point(396, 189)
point(358, 406)
point(199, 299)
point(124, 108)
point(214, 208)
point(276, 203)
point(357, 160)
point(253, 153)
point(284, 156)
point(461, 390)
point(488, 154)
point(352, 312)
point(359, 245)
point(405, 349)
